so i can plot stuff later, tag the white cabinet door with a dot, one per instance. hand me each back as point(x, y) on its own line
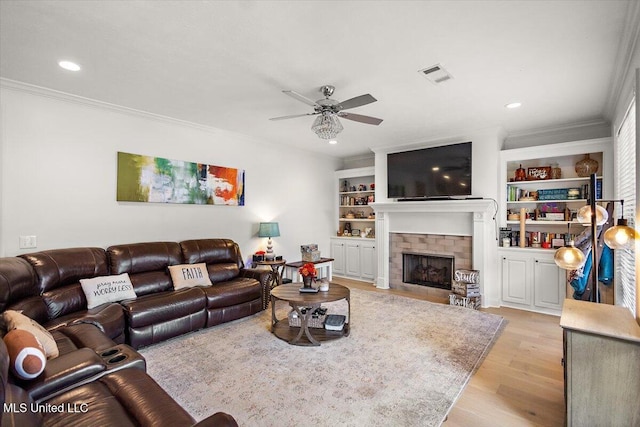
point(549, 286)
point(352, 258)
point(368, 260)
point(338, 255)
point(516, 274)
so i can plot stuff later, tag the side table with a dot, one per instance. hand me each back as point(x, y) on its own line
point(277, 267)
point(323, 265)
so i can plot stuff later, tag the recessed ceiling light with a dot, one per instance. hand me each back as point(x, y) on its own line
point(333, 141)
point(435, 168)
point(68, 65)
point(513, 105)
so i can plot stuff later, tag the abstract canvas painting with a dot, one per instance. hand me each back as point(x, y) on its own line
point(158, 180)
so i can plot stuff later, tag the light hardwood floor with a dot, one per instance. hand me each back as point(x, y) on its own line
point(520, 382)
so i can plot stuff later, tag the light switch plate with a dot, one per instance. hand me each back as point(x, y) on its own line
point(28, 242)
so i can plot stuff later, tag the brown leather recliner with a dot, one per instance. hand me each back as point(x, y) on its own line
point(236, 292)
point(55, 298)
point(125, 397)
point(159, 312)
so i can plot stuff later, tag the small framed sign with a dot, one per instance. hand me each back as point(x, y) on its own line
point(538, 173)
point(557, 243)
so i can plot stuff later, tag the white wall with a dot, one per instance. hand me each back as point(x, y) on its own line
point(58, 179)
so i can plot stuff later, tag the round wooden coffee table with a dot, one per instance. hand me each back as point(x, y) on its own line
point(303, 334)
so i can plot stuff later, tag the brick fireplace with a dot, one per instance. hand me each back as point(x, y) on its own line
point(455, 251)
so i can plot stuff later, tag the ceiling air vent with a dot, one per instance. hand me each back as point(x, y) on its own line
point(436, 74)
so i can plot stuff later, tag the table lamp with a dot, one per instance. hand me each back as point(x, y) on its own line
point(269, 229)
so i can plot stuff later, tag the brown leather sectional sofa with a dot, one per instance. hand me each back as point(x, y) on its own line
point(98, 365)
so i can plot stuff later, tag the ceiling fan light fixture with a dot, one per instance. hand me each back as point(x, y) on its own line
point(327, 126)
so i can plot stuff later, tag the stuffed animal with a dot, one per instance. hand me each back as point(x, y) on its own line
point(25, 353)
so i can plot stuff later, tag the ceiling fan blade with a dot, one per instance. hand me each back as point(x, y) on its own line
point(293, 116)
point(360, 118)
point(299, 97)
point(356, 102)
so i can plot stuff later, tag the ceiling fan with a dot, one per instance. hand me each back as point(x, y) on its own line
point(327, 125)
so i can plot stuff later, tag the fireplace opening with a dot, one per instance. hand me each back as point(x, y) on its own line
point(435, 271)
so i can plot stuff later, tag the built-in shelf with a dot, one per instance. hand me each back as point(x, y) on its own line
point(357, 192)
point(544, 222)
point(546, 181)
point(524, 202)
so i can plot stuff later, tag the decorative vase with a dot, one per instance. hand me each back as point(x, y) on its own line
point(306, 280)
point(586, 166)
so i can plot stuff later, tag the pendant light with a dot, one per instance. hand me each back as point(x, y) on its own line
point(569, 257)
point(621, 236)
point(584, 215)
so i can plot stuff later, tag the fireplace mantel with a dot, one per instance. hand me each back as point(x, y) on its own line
point(473, 218)
point(437, 206)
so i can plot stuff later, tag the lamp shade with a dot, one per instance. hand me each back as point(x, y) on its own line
point(269, 229)
point(569, 257)
point(621, 236)
point(584, 215)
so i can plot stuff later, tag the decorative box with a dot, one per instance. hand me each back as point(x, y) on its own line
point(311, 256)
point(465, 289)
point(467, 276)
point(469, 302)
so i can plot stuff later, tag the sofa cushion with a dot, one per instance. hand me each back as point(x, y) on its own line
point(189, 275)
point(82, 335)
point(125, 398)
point(163, 306)
point(232, 292)
point(104, 289)
point(59, 272)
point(108, 318)
point(15, 320)
point(17, 281)
point(211, 251)
point(59, 267)
point(146, 264)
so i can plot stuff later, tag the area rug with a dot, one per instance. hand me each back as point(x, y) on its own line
point(405, 363)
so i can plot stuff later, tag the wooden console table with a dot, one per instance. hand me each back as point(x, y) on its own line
point(601, 364)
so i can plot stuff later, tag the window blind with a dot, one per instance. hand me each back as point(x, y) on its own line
point(626, 189)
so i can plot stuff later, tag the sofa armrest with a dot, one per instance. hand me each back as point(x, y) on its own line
point(64, 371)
point(263, 276)
point(219, 419)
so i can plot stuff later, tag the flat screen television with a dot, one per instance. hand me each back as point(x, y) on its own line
point(428, 173)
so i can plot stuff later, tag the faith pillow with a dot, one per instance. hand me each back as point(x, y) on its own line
point(188, 275)
point(104, 289)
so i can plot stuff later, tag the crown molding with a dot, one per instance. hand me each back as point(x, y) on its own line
point(88, 102)
point(559, 128)
point(624, 56)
